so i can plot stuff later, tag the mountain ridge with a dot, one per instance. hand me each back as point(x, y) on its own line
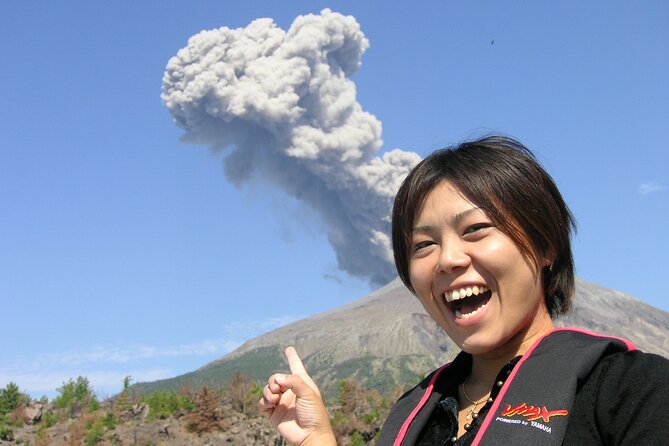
point(386, 339)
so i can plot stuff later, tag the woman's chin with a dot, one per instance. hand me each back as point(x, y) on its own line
point(478, 349)
point(480, 343)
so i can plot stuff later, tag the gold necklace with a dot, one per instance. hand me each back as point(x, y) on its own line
point(471, 412)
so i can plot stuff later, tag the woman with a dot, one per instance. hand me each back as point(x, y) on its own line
point(481, 236)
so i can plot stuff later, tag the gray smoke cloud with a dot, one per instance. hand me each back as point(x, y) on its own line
point(281, 106)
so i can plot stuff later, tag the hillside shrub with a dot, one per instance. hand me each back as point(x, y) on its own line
point(89, 429)
point(94, 433)
point(48, 419)
point(243, 392)
point(125, 399)
point(167, 403)
point(93, 405)
point(356, 439)
point(76, 395)
point(208, 415)
point(41, 436)
point(76, 432)
point(11, 398)
point(359, 413)
point(109, 421)
point(16, 417)
point(6, 434)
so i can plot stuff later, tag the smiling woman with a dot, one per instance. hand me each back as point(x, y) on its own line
point(481, 235)
point(455, 249)
point(485, 216)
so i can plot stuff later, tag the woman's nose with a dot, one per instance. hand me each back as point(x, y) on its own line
point(452, 258)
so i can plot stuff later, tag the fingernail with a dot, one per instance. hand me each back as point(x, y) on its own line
point(280, 378)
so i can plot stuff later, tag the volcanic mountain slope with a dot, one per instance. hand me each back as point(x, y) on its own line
point(386, 339)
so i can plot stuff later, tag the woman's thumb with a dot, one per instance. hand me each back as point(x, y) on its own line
point(295, 383)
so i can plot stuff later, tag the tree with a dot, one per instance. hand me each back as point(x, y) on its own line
point(11, 398)
point(167, 403)
point(243, 392)
point(359, 414)
point(76, 395)
point(124, 399)
point(207, 416)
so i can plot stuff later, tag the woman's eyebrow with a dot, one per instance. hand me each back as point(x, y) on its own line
point(455, 220)
point(424, 229)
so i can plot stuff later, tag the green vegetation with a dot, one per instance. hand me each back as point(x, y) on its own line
point(90, 428)
point(109, 421)
point(359, 414)
point(124, 399)
point(48, 419)
point(93, 405)
point(167, 403)
point(11, 398)
point(41, 436)
point(357, 411)
point(6, 434)
point(94, 433)
point(356, 439)
point(243, 392)
point(75, 395)
point(257, 364)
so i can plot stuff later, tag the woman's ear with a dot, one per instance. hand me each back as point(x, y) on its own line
point(548, 260)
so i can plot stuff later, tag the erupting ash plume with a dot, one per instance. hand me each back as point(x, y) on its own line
point(283, 107)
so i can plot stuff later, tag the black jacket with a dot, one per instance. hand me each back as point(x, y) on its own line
point(619, 401)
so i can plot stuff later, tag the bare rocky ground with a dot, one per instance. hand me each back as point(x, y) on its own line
point(134, 428)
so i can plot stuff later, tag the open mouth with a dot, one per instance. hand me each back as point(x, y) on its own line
point(467, 302)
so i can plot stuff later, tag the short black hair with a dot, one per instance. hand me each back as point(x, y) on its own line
point(503, 178)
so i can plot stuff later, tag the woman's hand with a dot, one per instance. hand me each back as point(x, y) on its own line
point(293, 405)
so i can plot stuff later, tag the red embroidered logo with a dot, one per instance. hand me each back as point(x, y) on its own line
point(533, 413)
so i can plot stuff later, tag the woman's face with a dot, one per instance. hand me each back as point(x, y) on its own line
point(473, 280)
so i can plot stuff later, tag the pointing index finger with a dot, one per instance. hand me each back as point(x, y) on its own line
point(295, 363)
point(297, 368)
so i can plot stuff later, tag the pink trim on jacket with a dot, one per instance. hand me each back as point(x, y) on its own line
point(428, 391)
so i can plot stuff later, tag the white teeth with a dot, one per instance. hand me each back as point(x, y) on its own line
point(460, 315)
point(452, 295)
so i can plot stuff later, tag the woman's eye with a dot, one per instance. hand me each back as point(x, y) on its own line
point(477, 227)
point(420, 245)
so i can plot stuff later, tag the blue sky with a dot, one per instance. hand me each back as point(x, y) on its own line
point(124, 251)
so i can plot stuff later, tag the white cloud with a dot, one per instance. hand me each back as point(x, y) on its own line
point(104, 383)
point(106, 367)
point(124, 354)
point(650, 188)
point(249, 329)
